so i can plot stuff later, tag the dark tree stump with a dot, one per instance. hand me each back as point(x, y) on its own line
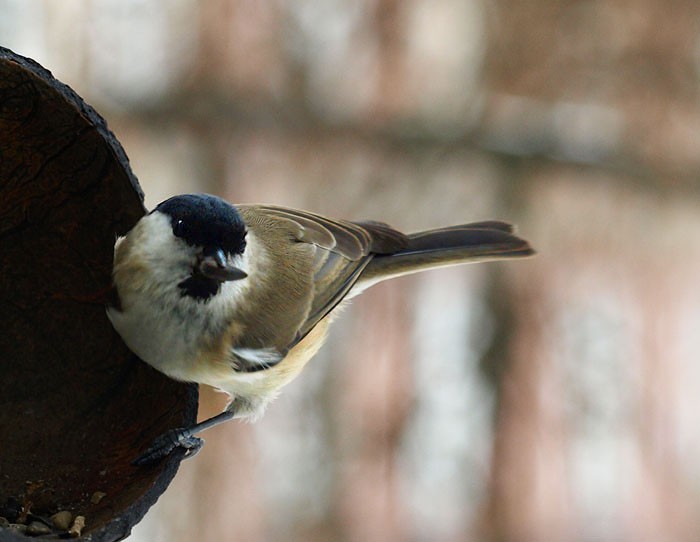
point(76, 406)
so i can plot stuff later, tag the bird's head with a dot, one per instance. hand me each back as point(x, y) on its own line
point(200, 239)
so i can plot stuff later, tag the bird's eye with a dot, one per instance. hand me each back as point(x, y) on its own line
point(179, 228)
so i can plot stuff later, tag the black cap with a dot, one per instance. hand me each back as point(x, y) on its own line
point(204, 220)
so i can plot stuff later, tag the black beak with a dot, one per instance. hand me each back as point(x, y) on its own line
point(215, 266)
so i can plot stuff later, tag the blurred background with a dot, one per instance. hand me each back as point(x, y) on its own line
point(552, 399)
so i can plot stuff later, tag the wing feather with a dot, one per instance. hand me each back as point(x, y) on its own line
point(342, 251)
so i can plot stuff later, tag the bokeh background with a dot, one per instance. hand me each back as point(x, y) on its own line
point(553, 399)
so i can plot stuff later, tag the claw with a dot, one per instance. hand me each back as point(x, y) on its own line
point(182, 437)
point(167, 442)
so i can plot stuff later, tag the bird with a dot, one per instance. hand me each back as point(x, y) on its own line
point(240, 297)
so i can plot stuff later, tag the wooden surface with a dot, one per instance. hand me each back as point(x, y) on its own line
point(75, 405)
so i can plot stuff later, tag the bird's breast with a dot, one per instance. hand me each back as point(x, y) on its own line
point(214, 367)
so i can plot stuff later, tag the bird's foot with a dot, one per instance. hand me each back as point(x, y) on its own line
point(181, 437)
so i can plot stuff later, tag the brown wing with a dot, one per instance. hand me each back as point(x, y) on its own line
point(343, 250)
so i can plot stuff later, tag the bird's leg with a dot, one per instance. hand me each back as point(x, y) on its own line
point(182, 437)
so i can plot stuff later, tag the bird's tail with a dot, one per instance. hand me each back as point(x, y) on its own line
point(475, 242)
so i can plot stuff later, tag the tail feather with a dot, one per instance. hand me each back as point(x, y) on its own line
point(478, 241)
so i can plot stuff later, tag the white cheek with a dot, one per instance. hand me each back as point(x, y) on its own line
point(255, 256)
point(156, 245)
point(253, 261)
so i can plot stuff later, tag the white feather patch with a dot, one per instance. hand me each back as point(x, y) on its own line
point(265, 357)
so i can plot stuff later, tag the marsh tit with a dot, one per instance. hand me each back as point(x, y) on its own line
point(241, 297)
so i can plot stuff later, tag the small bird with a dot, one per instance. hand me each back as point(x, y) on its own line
point(240, 297)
